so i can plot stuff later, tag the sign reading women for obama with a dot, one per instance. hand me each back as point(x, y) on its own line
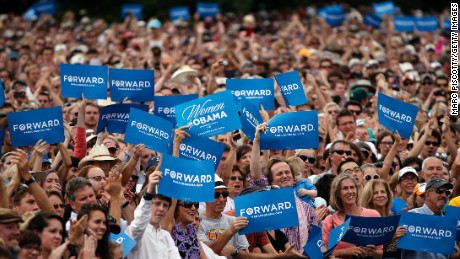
point(136, 84)
point(396, 115)
point(267, 210)
point(291, 88)
point(364, 231)
point(114, 117)
point(187, 180)
point(164, 105)
point(81, 79)
point(433, 234)
point(209, 116)
point(26, 128)
point(291, 130)
point(148, 129)
point(250, 118)
point(197, 148)
point(257, 91)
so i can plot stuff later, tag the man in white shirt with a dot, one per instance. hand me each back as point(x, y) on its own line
point(152, 241)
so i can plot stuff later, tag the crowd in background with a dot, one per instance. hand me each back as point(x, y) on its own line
point(64, 200)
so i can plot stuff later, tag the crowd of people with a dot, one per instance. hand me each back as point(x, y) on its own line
point(65, 199)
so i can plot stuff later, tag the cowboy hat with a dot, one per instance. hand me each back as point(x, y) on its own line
point(98, 153)
point(181, 75)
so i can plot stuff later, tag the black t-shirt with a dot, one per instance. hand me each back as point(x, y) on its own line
point(280, 242)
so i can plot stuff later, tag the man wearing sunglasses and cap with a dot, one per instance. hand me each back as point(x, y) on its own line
point(220, 231)
point(436, 194)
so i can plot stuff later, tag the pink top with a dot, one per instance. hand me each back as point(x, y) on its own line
point(333, 221)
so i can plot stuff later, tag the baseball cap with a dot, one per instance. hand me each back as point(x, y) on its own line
point(420, 188)
point(437, 183)
point(407, 170)
point(154, 24)
point(360, 94)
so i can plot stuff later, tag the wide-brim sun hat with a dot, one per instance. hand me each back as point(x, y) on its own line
point(98, 153)
point(182, 75)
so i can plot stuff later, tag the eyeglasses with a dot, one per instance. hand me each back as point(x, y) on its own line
point(333, 111)
point(434, 144)
point(370, 177)
point(31, 247)
point(240, 178)
point(354, 170)
point(98, 178)
point(341, 152)
point(310, 159)
point(57, 206)
point(427, 82)
point(223, 194)
point(439, 191)
point(357, 113)
point(410, 179)
point(386, 143)
point(188, 205)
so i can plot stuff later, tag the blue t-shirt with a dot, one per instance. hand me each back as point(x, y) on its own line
point(307, 185)
point(398, 206)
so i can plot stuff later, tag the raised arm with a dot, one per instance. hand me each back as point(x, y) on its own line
point(255, 165)
point(420, 143)
point(19, 157)
point(128, 169)
point(385, 175)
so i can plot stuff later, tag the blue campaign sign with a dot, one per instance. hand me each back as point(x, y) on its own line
point(291, 130)
point(396, 115)
point(428, 24)
point(82, 79)
point(164, 105)
point(267, 210)
point(314, 244)
point(207, 9)
point(133, 9)
point(187, 180)
point(250, 118)
point(372, 20)
point(257, 91)
point(209, 116)
point(2, 94)
point(291, 87)
point(404, 23)
point(433, 234)
point(331, 8)
point(384, 8)
point(114, 117)
point(371, 230)
point(454, 212)
point(45, 7)
point(145, 128)
point(196, 148)
point(180, 12)
point(125, 241)
point(336, 235)
point(28, 127)
point(136, 84)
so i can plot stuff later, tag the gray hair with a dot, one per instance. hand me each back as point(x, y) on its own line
point(75, 184)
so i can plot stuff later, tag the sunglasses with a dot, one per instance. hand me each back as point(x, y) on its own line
point(442, 85)
point(223, 194)
point(357, 113)
point(439, 191)
point(188, 205)
point(365, 153)
point(427, 82)
point(370, 177)
point(408, 82)
point(240, 178)
point(331, 112)
point(310, 159)
point(434, 144)
point(57, 206)
point(341, 152)
point(134, 178)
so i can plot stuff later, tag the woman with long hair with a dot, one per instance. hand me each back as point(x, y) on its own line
point(344, 200)
point(50, 228)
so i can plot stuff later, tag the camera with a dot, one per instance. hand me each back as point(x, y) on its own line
point(223, 63)
point(19, 94)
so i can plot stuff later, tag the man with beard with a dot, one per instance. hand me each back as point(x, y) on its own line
point(219, 231)
point(436, 194)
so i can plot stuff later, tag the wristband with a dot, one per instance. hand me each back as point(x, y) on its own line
point(125, 204)
point(30, 181)
point(137, 159)
point(148, 196)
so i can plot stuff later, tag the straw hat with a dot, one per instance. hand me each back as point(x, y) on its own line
point(181, 75)
point(98, 153)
